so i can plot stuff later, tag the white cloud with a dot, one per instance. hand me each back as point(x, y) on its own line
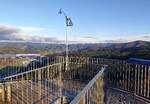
point(116, 41)
point(146, 37)
point(89, 37)
point(31, 29)
point(8, 32)
point(16, 33)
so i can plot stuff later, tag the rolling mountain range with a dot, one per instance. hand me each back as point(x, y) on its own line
point(37, 47)
point(129, 48)
point(135, 49)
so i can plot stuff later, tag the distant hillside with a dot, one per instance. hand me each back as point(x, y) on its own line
point(42, 48)
point(110, 50)
point(134, 44)
point(136, 49)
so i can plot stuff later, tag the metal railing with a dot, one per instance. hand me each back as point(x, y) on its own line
point(11, 66)
point(93, 92)
point(131, 77)
point(40, 85)
point(127, 76)
point(123, 75)
point(41, 77)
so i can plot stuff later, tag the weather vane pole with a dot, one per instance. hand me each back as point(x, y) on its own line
point(68, 24)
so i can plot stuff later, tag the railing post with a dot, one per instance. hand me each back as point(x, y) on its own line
point(60, 76)
point(135, 78)
point(2, 93)
point(5, 93)
point(98, 94)
point(149, 82)
point(9, 93)
point(39, 84)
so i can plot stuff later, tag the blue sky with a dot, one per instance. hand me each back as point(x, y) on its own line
point(94, 20)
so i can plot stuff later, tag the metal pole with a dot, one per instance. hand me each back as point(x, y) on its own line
point(66, 50)
point(68, 23)
point(61, 95)
point(66, 61)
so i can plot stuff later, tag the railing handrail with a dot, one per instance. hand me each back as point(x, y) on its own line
point(8, 77)
point(5, 78)
point(88, 86)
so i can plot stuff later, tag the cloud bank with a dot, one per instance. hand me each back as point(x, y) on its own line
point(8, 32)
point(13, 33)
point(18, 33)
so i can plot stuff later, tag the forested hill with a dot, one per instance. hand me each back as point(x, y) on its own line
point(136, 49)
point(139, 49)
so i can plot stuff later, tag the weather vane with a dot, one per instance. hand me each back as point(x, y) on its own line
point(68, 19)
